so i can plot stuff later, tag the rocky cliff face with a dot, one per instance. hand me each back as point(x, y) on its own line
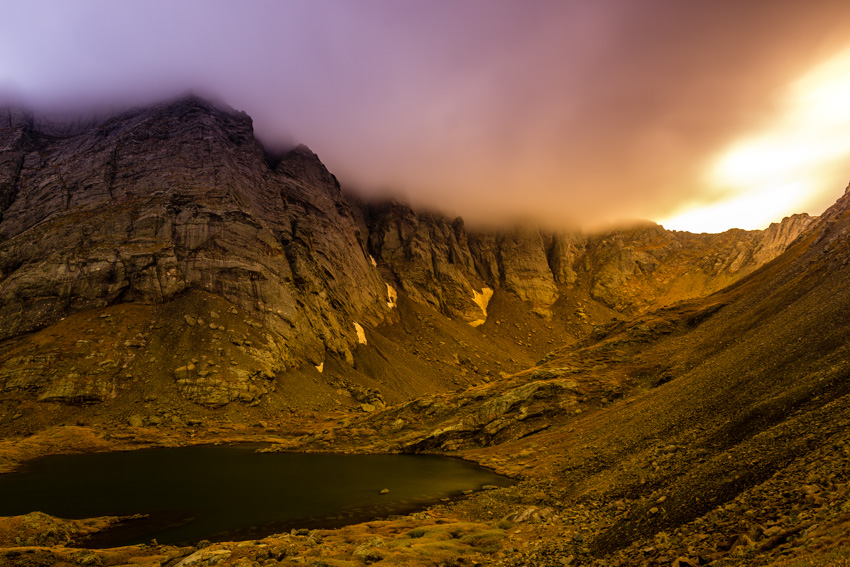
point(167, 202)
point(631, 271)
point(429, 258)
point(635, 270)
point(154, 203)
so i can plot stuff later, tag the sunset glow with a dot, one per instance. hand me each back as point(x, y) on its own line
point(793, 164)
point(567, 113)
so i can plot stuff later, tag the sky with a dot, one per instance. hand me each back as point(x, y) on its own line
point(702, 115)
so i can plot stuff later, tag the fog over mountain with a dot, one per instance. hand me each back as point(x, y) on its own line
point(563, 111)
point(405, 233)
point(648, 396)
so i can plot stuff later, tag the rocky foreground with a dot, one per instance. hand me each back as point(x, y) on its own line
point(662, 398)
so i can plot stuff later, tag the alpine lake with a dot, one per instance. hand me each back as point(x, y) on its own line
point(232, 492)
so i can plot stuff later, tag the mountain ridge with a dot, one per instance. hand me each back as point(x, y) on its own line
point(661, 397)
point(158, 201)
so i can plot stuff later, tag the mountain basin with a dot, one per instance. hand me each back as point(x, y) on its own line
point(231, 492)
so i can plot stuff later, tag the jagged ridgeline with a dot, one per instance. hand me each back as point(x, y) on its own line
point(161, 242)
point(663, 397)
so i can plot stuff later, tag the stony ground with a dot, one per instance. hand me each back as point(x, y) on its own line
point(711, 432)
point(799, 514)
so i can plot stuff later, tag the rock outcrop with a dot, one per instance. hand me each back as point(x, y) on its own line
point(156, 202)
point(429, 257)
point(524, 268)
point(635, 270)
point(439, 263)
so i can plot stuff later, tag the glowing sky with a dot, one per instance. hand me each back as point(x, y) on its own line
point(787, 165)
point(699, 114)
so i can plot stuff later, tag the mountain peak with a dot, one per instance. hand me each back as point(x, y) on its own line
point(304, 150)
point(191, 101)
point(302, 163)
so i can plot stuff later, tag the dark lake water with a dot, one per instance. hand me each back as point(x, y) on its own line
point(231, 492)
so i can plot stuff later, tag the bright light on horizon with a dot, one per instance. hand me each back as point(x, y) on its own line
point(751, 210)
point(794, 164)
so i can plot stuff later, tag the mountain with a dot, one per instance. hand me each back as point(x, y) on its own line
point(712, 431)
point(663, 396)
point(438, 262)
point(160, 204)
point(178, 205)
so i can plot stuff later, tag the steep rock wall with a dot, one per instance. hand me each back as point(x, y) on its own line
point(154, 202)
point(157, 205)
point(439, 263)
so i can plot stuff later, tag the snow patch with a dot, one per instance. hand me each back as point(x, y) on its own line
point(361, 334)
point(392, 297)
point(320, 367)
point(482, 300)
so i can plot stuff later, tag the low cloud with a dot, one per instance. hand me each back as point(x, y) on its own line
point(563, 111)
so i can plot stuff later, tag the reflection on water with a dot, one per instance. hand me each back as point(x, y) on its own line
point(231, 492)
